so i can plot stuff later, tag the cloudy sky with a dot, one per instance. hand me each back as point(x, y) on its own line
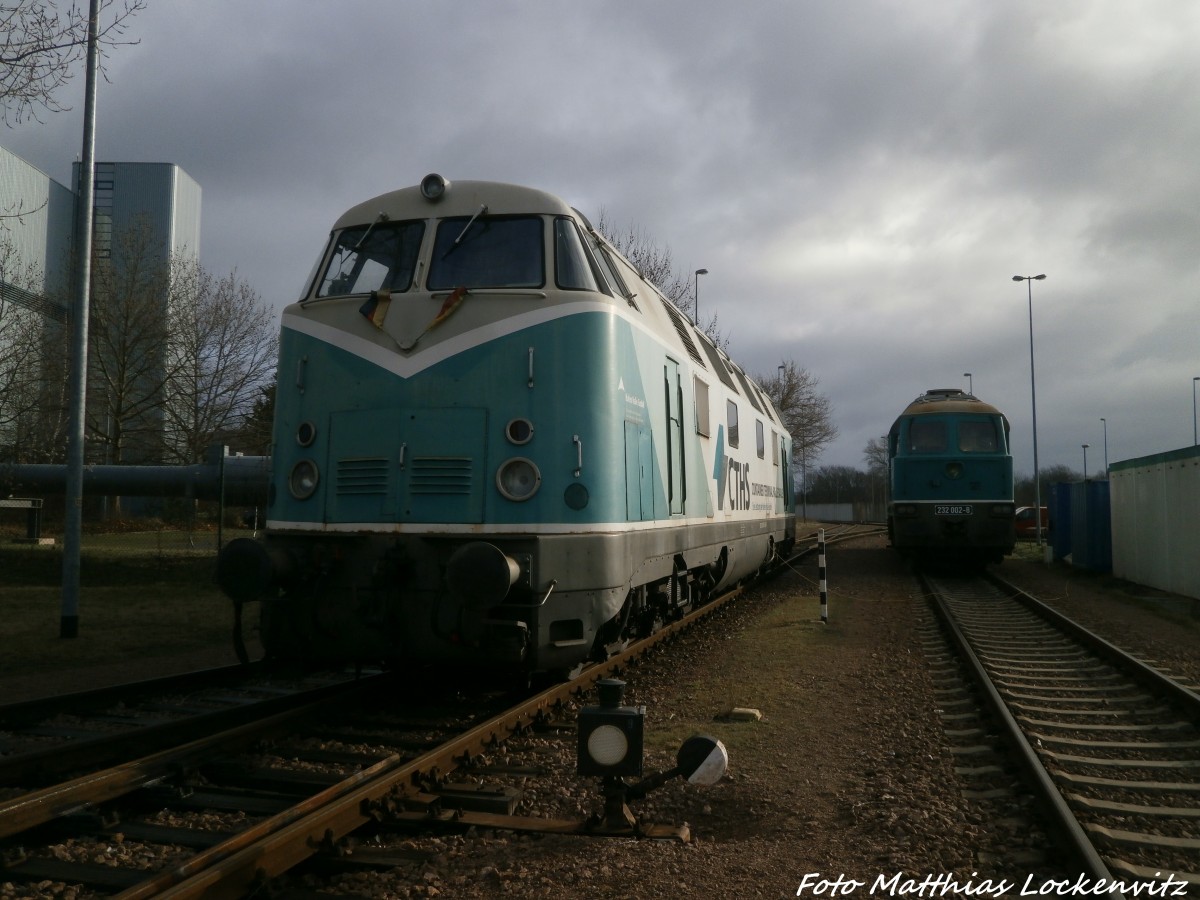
point(861, 178)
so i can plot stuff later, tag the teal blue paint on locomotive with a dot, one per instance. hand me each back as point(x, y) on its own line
point(951, 477)
point(425, 449)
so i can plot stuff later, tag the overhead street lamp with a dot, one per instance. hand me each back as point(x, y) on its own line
point(1037, 486)
point(970, 383)
point(696, 311)
point(1085, 446)
point(1104, 422)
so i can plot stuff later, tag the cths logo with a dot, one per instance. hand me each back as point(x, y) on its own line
point(730, 472)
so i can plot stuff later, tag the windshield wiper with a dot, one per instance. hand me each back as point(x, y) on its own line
point(382, 217)
point(482, 212)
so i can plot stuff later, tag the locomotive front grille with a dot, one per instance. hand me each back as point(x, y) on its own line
point(441, 475)
point(362, 476)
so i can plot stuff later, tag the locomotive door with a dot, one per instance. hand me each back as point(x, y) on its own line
point(674, 409)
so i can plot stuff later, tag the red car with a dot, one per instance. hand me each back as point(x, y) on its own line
point(1027, 524)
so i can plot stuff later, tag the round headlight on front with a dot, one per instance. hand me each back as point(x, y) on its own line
point(954, 470)
point(607, 745)
point(518, 478)
point(302, 480)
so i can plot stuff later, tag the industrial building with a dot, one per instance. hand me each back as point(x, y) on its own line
point(37, 230)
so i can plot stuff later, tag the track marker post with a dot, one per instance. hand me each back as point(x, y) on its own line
point(821, 576)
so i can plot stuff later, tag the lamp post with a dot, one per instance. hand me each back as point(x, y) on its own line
point(970, 383)
point(696, 312)
point(1104, 422)
point(1085, 446)
point(1037, 486)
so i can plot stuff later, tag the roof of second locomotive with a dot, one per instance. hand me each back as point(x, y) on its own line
point(947, 400)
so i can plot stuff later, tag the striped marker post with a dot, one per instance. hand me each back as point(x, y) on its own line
point(821, 576)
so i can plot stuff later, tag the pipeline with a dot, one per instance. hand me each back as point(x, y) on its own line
point(236, 479)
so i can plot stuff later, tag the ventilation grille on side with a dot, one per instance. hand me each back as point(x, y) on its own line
point(683, 328)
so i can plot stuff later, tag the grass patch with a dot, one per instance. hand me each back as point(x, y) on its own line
point(138, 598)
point(153, 619)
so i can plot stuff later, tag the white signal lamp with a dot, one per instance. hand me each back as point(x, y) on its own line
point(611, 735)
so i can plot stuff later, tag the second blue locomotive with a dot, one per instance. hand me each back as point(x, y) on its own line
point(951, 474)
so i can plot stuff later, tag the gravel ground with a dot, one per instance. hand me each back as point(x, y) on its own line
point(847, 775)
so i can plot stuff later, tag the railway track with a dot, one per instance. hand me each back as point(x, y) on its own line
point(358, 752)
point(48, 738)
point(1111, 743)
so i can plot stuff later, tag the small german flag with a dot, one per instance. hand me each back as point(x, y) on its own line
point(453, 302)
point(376, 307)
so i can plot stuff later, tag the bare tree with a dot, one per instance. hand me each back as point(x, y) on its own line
point(254, 435)
point(128, 338)
point(654, 264)
point(807, 415)
point(221, 358)
point(875, 455)
point(40, 44)
point(20, 340)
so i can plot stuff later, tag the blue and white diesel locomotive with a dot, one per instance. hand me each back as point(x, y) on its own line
point(496, 443)
point(951, 474)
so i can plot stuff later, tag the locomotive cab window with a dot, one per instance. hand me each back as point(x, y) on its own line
point(379, 256)
point(927, 436)
point(573, 270)
point(977, 437)
point(761, 438)
point(488, 252)
point(613, 275)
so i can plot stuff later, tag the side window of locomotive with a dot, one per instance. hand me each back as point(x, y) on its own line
point(488, 251)
point(572, 268)
point(761, 437)
point(613, 275)
point(977, 437)
point(731, 420)
point(926, 436)
point(373, 257)
point(703, 422)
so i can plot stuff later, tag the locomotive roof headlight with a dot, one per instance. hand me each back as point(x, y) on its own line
point(954, 470)
point(433, 186)
point(519, 431)
point(518, 478)
point(306, 434)
point(303, 479)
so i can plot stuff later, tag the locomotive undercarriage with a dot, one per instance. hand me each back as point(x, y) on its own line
point(409, 599)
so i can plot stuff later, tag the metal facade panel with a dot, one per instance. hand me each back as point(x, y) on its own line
point(41, 235)
point(1156, 521)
